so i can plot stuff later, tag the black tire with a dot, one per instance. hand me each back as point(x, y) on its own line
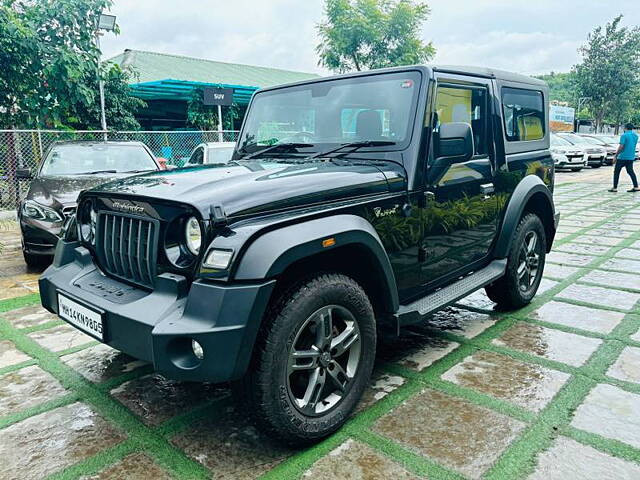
point(512, 291)
point(273, 392)
point(576, 169)
point(35, 262)
point(597, 165)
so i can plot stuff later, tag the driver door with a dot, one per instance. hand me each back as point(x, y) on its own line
point(461, 217)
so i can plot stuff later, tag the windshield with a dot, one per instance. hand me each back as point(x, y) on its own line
point(219, 155)
point(575, 139)
point(325, 114)
point(79, 159)
point(557, 141)
point(593, 141)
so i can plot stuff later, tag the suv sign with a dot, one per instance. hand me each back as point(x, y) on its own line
point(218, 96)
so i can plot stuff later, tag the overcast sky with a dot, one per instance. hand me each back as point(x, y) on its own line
point(532, 37)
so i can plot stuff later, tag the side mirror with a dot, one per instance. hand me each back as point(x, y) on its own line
point(24, 173)
point(455, 142)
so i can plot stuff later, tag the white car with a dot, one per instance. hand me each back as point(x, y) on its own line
point(609, 143)
point(567, 155)
point(615, 140)
point(594, 152)
point(211, 153)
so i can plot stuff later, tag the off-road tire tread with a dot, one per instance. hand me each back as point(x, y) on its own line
point(251, 392)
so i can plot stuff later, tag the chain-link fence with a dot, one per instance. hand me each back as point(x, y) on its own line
point(27, 148)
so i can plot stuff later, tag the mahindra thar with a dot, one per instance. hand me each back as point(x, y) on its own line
point(351, 203)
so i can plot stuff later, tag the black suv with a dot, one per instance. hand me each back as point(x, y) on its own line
point(352, 203)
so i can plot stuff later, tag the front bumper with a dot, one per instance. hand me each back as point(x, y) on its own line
point(39, 238)
point(159, 326)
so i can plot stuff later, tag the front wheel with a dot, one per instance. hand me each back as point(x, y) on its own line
point(525, 265)
point(312, 361)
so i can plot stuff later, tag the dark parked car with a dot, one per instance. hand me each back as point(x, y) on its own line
point(67, 169)
point(353, 205)
point(610, 145)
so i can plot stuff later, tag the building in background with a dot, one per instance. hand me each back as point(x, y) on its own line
point(166, 82)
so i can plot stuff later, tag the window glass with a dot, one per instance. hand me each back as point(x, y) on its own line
point(219, 155)
point(197, 156)
point(467, 105)
point(523, 114)
point(79, 158)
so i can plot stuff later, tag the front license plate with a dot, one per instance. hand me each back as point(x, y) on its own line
point(82, 317)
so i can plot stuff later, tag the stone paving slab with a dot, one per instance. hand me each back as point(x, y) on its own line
point(472, 391)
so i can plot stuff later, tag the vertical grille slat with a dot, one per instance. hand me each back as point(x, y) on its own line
point(127, 249)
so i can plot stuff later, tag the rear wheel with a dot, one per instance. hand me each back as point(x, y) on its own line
point(576, 169)
point(525, 265)
point(312, 361)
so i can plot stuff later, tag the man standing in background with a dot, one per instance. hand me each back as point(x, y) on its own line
point(624, 158)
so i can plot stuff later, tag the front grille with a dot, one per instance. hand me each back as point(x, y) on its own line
point(126, 247)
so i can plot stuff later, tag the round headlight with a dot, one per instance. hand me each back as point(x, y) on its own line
point(193, 235)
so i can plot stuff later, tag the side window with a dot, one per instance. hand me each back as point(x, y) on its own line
point(523, 112)
point(468, 105)
point(197, 157)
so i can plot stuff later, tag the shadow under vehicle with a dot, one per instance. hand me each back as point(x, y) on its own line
point(69, 168)
point(354, 205)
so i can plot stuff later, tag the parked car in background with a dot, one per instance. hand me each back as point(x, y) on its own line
point(211, 153)
point(567, 155)
point(595, 154)
point(69, 168)
point(609, 144)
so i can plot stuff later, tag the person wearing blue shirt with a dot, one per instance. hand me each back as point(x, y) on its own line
point(624, 158)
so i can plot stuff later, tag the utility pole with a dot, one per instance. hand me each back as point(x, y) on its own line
point(106, 23)
point(581, 101)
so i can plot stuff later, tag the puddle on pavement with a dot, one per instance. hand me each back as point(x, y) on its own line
point(461, 436)
point(137, 466)
point(381, 385)
point(567, 459)
point(28, 317)
point(585, 318)
point(478, 299)
point(61, 338)
point(354, 460)
point(606, 297)
point(26, 388)
point(612, 413)
point(613, 279)
point(228, 445)
point(416, 348)
point(461, 322)
point(523, 384)
point(548, 343)
point(156, 399)
point(627, 366)
point(10, 355)
point(43, 444)
point(101, 363)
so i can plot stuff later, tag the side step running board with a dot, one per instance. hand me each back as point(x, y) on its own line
point(444, 297)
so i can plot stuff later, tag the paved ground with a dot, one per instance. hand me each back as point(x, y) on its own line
point(549, 392)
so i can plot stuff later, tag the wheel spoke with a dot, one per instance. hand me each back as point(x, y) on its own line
point(531, 244)
point(314, 390)
point(522, 269)
point(324, 329)
point(338, 376)
point(345, 340)
point(304, 359)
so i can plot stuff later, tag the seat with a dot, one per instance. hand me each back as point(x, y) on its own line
point(368, 125)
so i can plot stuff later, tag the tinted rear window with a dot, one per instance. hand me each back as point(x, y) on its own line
point(524, 116)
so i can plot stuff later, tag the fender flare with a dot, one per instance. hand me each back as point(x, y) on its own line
point(272, 252)
point(529, 186)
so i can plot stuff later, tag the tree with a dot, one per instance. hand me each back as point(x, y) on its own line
point(49, 66)
point(562, 87)
point(610, 70)
point(205, 117)
point(365, 34)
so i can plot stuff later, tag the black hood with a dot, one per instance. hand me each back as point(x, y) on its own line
point(61, 191)
point(252, 187)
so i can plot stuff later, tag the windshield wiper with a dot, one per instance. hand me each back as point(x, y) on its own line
point(354, 145)
point(140, 171)
point(278, 146)
point(95, 172)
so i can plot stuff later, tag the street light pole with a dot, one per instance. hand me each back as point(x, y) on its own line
point(108, 24)
point(581, 100)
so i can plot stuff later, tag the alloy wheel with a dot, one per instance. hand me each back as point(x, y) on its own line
point(529, 261)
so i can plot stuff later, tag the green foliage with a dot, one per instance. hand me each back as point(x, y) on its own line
point(562, 87)
point(365, 34)
point(50, 64)
point(205, 117)
point(610, 71)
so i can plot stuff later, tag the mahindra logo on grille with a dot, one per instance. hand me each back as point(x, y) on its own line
point(127, 207)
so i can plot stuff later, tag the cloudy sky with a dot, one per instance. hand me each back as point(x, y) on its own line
point(528, 36)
